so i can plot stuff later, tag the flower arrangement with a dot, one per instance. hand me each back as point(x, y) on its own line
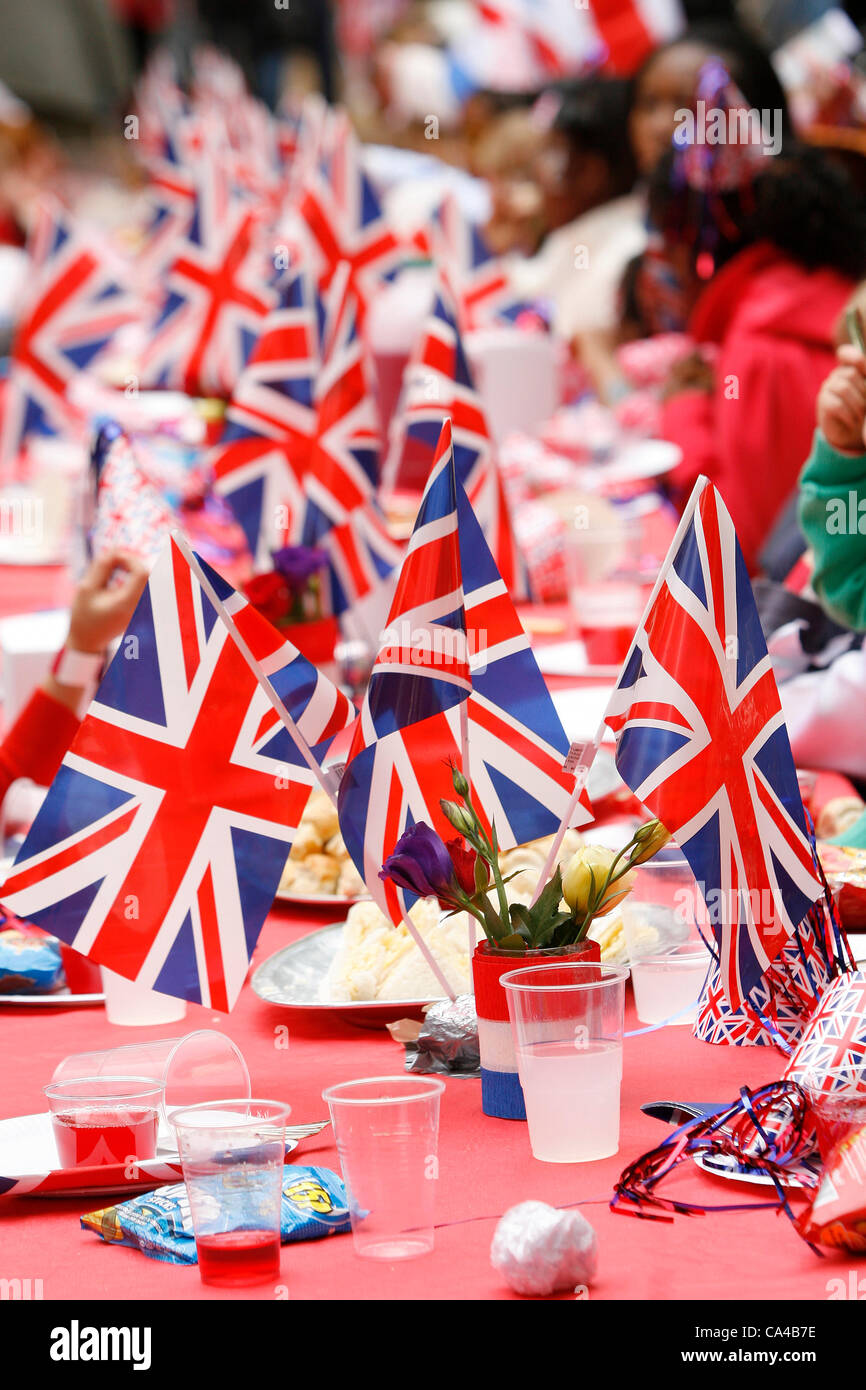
point(460, 872)
point(293, 591)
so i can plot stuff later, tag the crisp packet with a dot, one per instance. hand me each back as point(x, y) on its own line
point(160, 1223)
point(837, 1214)
point(29, 962)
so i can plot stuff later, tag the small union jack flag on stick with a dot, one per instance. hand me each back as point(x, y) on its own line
point(701, 741)
point(260, 461)
point(217, 293)
point(342, 515)
point(455, 684)
point(161, 842)
point(74, 307)
point(438, 381)
point(344, 219)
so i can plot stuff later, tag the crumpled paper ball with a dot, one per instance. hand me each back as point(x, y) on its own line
point(539, 1249)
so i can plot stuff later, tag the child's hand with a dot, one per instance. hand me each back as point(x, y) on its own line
point(105, 600)
point(841, 407)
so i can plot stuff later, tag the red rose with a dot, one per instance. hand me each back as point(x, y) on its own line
point(464, 861)
point(270, 595)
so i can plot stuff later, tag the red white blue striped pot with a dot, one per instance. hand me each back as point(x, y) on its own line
point(501, 1092)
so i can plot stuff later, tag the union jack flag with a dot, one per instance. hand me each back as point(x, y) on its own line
point(342, 515)
point(419, 717)
point(216, 292)
point(701, 740)
point(476, 279)
point(831, 1055)
point(161, 842)
point(73, 309)
point(397, 768)
point(260, 461)
point(438, 381)
point(344, 219)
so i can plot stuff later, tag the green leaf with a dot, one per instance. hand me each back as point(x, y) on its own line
point(549, 899)
point(512, 943)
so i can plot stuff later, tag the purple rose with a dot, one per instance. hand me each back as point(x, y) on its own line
point(421, 864)
point(298, 563)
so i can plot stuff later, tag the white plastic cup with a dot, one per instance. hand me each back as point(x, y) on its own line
point(667, 987)
point(387, 1133)
point(668, 958)
point(132, 1006)
point(567, 1024)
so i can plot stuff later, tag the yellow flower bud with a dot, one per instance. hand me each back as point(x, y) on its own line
point(650, 839)
point(577, 880)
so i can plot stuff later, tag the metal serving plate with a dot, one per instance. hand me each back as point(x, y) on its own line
point(292, 977)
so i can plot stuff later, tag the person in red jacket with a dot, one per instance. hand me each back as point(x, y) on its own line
point(765, 270)
point(103, 605)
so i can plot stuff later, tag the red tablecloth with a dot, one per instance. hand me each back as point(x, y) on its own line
point(485, 1164)
point(485, 1167)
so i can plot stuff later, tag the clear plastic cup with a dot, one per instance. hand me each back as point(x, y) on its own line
point(99, 1120)
point(668, 958)
point(567, 1026)
point(387, 1133)
point(132, 1006)
point(836, 1113)
point(667, 987)
point(232, 1153)
point(197, 1067)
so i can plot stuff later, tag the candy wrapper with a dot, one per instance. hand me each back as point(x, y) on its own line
point(837, 1214)
point(446, 1042)
point(160, 1223)
point(29, 962)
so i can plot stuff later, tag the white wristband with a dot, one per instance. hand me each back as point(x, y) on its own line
point(77, 668)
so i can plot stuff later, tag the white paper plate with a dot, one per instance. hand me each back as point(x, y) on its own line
point(292, 977)
point(320, 899)
point(59, 999)
point(726, 1166)
point(647, 458)
point(28, 1165)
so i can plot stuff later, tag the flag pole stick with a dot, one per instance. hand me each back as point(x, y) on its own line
point(591, 749)
point(581, 772)
point(464, 755)
point(326, 780)
point(427, 953)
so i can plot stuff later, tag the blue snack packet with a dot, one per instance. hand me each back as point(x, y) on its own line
point(160, 1223)
point(29, 963)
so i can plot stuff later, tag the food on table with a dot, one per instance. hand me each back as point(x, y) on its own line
point(845, 868)
point(29, 962)
point(377, 960)
point(838, 815)
point(319, 863)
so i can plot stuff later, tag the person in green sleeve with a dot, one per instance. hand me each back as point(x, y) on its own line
point(833, 492)
point(832, 507)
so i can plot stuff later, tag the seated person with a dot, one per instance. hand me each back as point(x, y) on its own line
point(586, 175)
point(36, 743)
